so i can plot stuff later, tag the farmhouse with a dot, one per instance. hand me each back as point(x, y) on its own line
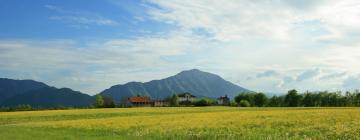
point(186, 97)
point(140, 101)
point(223, 100)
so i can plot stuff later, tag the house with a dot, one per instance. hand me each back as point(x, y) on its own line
point(223, 100)
point(140, 101)
point(186, 97)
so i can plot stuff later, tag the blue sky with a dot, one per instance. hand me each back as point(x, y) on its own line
point(269, 46)
point(99, 20)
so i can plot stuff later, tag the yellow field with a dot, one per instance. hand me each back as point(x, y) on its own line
point(183, 123)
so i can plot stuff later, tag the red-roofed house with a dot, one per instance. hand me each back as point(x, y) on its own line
point(140, 101)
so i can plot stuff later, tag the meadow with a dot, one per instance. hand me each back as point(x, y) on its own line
point(182, 123)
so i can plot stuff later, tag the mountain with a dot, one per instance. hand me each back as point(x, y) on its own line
point(37, 94)
point(199, 83)
point(10, 88)
point(51, 97)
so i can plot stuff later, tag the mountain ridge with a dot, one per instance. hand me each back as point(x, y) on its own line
point(12, 87)
point(200, 83)
point(37, 94)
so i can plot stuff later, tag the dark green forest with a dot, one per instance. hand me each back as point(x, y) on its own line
point(295, 99)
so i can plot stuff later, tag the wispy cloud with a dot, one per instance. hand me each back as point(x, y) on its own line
point(333, 75)
point(267, 73)
point(83, 20)
point(78, 18)
point(308, 74)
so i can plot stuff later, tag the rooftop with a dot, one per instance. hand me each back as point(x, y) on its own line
point(138, 99)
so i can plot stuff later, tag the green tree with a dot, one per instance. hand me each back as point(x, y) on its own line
point(316, 97)
point(23, 107)
point(292, 99)
point(245, 96)
point(99, 101)
point(108, 102)
point(174, 100)
point(201, 102)
point(233, 103)
point(259, 99)
point(308, 100)
point(357, 98)
point(275, 101)
point(244, 103)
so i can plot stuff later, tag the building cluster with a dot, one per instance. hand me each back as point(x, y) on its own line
point(183, 98)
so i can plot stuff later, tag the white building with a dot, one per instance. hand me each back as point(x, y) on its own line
point(223, 100)
point(186, 97)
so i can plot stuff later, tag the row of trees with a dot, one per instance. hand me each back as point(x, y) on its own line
point(294, 99)
point(21, 107)
point(253, 99)
point(250, 99)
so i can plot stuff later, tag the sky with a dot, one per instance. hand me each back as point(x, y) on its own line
point(263, 45)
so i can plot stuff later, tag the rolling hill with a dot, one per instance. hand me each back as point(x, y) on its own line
point(37, 94)
point(48, 97)
point(10, 88)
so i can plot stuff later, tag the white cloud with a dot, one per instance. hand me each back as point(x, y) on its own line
point(232, 20)
point(291, 37)
point(226, 20)
point(94, 67)
point(307, 45)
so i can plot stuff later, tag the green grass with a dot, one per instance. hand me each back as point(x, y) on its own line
point(182, 123)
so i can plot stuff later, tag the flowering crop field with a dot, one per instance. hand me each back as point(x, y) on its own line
point(183, 123)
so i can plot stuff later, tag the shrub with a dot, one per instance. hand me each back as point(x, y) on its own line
point(23, 107)
point(244, 103)
point(201, 102)
point(3, 109)
point(99, 101)
point(233, 103)
point(173, 100)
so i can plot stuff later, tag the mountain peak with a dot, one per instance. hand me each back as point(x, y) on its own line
point(191, 71)
point(194, 70)
point(195, 81)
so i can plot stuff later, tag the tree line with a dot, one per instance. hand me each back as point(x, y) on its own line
point(246, 99)
point(295, 99)
point(257, 99)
